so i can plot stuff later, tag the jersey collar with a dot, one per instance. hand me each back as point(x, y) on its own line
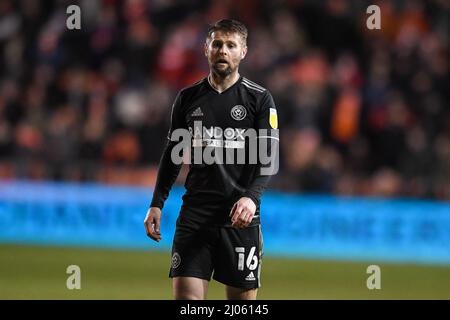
point(234, 84)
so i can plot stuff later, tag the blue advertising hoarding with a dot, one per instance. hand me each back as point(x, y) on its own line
point(307, 226)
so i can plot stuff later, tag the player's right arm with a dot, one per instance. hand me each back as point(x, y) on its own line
point(167, 174)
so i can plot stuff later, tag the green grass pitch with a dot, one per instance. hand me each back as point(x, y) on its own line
point(35, 272)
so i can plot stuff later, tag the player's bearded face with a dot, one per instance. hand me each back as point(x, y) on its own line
point(224, 52)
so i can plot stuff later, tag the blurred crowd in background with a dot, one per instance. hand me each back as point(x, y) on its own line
point(361, 112)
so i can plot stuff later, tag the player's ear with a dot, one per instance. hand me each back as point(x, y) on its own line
point(205, 48)
point(244, 52)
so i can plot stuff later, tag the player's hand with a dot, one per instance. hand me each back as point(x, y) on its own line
point(152, 222)
point(242, 213)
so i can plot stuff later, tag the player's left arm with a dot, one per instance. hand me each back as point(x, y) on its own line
point(244, 209)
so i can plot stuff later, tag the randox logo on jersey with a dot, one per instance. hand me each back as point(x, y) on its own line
point(217, 137)
point(200, 131)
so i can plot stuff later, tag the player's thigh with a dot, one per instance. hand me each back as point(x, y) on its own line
point(189, 288)
point(238, 258)
point(192, 252)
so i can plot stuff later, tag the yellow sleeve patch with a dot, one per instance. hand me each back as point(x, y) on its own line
point(273, 118)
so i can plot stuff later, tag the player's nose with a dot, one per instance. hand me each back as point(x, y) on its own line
point(223, 50)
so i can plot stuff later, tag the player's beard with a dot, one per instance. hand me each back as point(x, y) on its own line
point(223, 73)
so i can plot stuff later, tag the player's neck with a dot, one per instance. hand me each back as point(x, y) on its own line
point(221, 84)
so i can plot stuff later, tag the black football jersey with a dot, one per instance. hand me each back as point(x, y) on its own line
point(219, 126)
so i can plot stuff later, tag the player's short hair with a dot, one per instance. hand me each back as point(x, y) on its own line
point(229, 25)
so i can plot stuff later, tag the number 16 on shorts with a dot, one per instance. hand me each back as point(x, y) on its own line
point(251, 261)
